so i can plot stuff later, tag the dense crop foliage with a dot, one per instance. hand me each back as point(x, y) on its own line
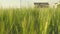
point(30, 21)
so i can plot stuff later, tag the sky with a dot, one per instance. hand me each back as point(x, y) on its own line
point(21, 3)
point(9, 3)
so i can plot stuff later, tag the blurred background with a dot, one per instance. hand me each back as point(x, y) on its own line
point(23, 3)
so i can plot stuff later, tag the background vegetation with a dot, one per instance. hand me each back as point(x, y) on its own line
point(30, 21)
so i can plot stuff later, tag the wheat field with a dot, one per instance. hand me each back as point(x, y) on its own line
point(30, 21)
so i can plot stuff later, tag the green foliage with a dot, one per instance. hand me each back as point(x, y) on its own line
point(30, 21)
point(58, 5)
